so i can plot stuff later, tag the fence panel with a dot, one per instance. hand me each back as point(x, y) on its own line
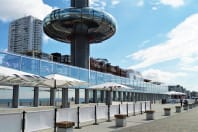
point(137, 107)
point(123, 109)
point(102, 112)
point(143, 106)
point(10, 122)
point(87, 114)
point(114, 109)
point(147, 105)
point(130, 108)
point(67, 114)
point(39, 120)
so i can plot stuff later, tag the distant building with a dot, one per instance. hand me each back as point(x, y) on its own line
point(176, 88)
point(57, 57)
point(96, 64)
point(194, 94)
point(25, 36)
point(134, 74)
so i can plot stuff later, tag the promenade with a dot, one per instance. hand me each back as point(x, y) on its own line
point(186, 121)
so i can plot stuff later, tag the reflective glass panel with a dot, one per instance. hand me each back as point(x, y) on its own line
point(30, 65)
point(12, 61)
point(46, 68)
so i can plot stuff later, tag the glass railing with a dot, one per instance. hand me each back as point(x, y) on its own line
point(43, 68)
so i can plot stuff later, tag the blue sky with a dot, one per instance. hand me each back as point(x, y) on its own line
point(159, 38)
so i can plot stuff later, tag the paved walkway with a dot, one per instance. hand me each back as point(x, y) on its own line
point(183, 122)
point(186, 121)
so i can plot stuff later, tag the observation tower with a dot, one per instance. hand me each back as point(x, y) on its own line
point(80, 26)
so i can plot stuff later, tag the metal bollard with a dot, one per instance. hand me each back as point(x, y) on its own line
point(23, 122)
point(133, 109)
point(109, 120)
point(95, 112)
point(150, 106)
point(140, 107)
point(55, 116)
point(78, 118)
point(127, 106)
point(119, 109)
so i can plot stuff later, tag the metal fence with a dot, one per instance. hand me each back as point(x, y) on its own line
point(39, 120)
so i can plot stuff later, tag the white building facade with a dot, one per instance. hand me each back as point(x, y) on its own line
point(25, 35)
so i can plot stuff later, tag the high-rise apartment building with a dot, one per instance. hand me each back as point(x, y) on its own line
point(25, 36)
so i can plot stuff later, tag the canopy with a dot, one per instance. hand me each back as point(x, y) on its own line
point(11, 77)
point(110, 86)
point(175, 93)
point(6, 88)
point(60, 81)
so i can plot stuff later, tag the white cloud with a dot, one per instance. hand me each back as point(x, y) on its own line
point(190, 68)
point(161, 76)
point(182, 42)
point(173, 3)
point(5, 50)
point(99, 4)
point(13, 9)
point(143, 43)
point(189, 64)
point(140, 3)
point(115, 2)
point(154, 8)
point(188, 60)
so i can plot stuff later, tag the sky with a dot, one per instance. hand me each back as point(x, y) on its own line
point(159, 38)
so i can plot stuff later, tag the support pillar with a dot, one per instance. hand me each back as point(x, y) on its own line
point(86, 96)
point(141, 96)
point(114, 95)
point(95, 96)
point(109, 97)
point(136, 97)
point(128, 96)
point(145, 96)
point(120, 96)
point(77, 96)
point(52, 96)
point(15, 96)
point(132, 94)
point(65, 98)
point(124, 96)
point(80, 46)
point(36, 97)
point(102, 96)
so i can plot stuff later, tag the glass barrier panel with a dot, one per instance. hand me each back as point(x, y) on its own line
point(73, 72)
point(12, 61)
point(100, 78)
point(60, 69)
point(42, 67)
point(2, 56)
point(93, 77)
point(30, 65)
point(84, 74)
point(46, 68)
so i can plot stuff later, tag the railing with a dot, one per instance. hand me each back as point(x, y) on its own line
point(44, 67)
point(40, 120)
